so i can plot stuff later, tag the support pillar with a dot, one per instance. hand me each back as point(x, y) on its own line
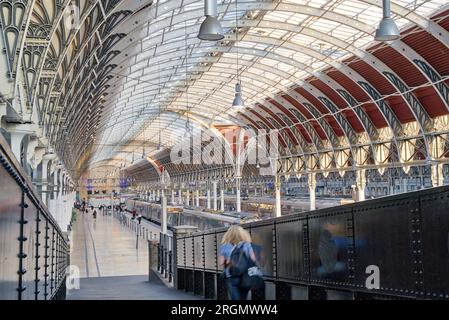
point(238, 199)
point(360, 184)
point(44, 182)
point(180, 196)
point(52, 200)
point(437, 174)
point(197, 196)
point(16, 142)
point(187, 197)
point(173, 196)
point(312, 190)
point(208, 195)
point(59, 202)
point(277, 185)
point(164, 213)
point(222, 198)
point(215, 195)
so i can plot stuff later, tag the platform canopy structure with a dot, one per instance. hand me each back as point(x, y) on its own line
point(88, 84)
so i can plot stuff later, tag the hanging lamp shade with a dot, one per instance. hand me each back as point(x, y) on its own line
point(210, 29)
point(238, 100)
point(388, 30)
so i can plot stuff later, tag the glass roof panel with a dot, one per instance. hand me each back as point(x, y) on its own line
point(276, 50)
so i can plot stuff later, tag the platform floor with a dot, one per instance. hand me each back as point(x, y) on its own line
point(103, 247)
point(126, 288)
point(110, 267)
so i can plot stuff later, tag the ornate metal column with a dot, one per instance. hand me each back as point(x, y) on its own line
point(214, 183)
point(312, 190)
point(222, 196)
point(277, 185)
point(360, 184)
point(237, 193)
point(437, 174)
point(208, 195)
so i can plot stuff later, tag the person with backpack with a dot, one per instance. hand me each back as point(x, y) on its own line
point(238, 258)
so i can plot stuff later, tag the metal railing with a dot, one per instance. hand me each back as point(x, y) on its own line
point(165, 256)
point(141, 232)
point(392, 247)
point(34, 252)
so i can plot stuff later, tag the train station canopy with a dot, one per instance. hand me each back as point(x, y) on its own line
point(112, 80)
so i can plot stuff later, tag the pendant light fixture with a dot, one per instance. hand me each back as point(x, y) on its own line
point(388, 30)
point(238, 100)
point(211, 29)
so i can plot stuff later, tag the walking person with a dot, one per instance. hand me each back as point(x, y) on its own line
point(237, 256)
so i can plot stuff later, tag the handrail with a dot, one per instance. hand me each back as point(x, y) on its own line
point(26, 182)
point(391, 247)
point(41, 242)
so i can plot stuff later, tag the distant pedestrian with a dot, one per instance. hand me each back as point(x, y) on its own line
point(95, 214)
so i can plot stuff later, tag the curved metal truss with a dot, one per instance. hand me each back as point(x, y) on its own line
point(105, 79)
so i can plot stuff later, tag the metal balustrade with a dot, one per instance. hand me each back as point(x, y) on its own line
point(335, 253)
point(34, 252)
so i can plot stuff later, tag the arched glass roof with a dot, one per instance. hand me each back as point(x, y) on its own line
point(278, 44)
point(132, 73)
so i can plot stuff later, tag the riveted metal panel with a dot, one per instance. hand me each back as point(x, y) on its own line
point(383, 240)
point(29, 248)
point(189, 252)
point(330, 241)
point(210, 252)
point(263, 242)
point(435, 244)
point(10, 198)
point(219, 238)
point(180, 253)
point(290, 249)
point(199, 251)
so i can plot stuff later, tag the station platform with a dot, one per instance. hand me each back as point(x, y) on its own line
point(110, 267)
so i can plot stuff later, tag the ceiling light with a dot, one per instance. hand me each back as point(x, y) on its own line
point(238, 100)
point(210, 29)
point(388, 30)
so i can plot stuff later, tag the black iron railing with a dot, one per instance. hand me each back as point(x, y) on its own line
point(34, 251)
point(165, 256)
point(392, 247)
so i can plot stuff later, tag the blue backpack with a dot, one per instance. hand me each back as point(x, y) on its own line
point(239, 262)
point(242, 266)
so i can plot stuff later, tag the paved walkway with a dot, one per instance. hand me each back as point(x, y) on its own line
point(126, 288)
point(109, 264)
